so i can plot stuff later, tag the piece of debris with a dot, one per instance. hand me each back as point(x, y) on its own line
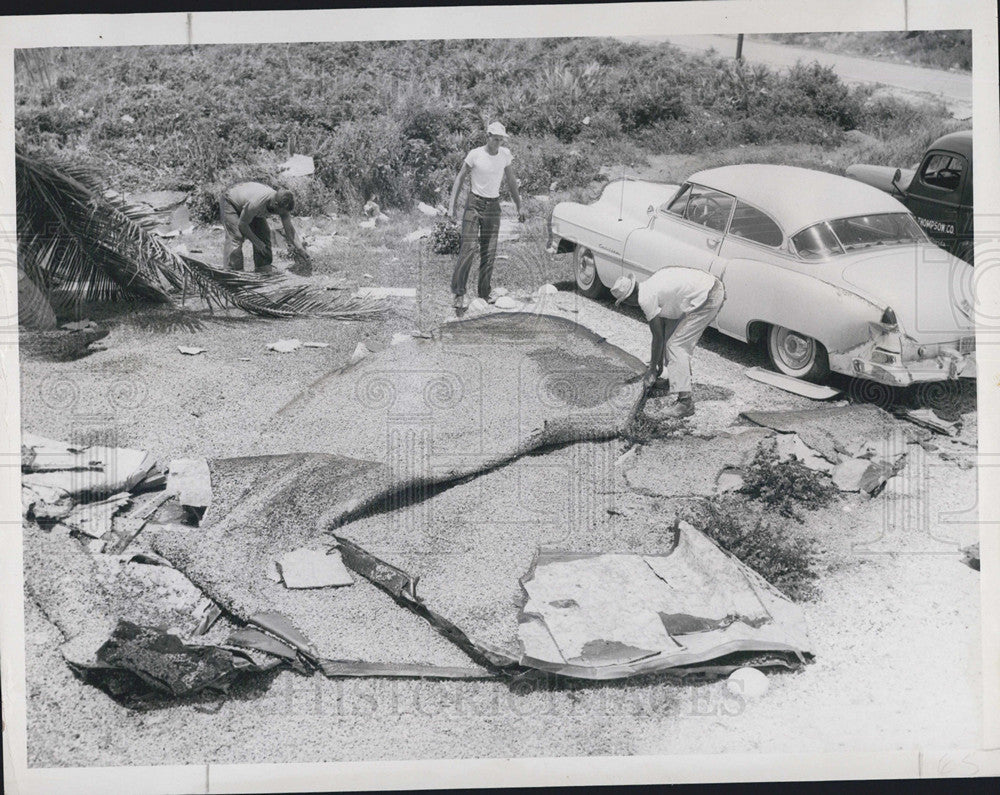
point(926, 418)
point(369, 224)
point(190, 480)
point(789, 445)
point(426, 209)
point(548, 289)
point(858, 474)
point(45, 503)
point(84, 473)
point(206, 613)
point(747, 682)
point(125, 527)
point(417, 234)
point(298, 166)
point(605, 616)
point(729, 480)
point(400, 337)
point(313, 568)
point(794, 385)
point(360, 352)
point(79, 325)
point(970, 556)
point(387, 292)
point(478, 305)
point(284, 346)
point(159, 200)
point(94, 518)
point(190, 350)
point(315, 344)
point(506, 302)
point(371, 209)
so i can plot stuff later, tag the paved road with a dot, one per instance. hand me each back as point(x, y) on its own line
point(954, 88)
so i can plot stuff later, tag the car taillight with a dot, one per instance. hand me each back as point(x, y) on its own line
point(889, 317)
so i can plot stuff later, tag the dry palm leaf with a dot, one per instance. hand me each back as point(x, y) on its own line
point(89, 243)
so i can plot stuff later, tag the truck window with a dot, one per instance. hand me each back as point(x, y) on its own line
point(751, 224)
point(943, 171)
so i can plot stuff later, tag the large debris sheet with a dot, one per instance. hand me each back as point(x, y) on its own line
point(473, 556)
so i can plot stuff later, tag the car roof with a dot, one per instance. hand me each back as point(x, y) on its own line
point(960, 142)
point(798, 197)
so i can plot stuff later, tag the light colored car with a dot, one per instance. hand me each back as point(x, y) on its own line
point(832, 274)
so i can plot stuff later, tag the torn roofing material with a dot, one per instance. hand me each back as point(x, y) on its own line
point(609, 616)
point(432, 408)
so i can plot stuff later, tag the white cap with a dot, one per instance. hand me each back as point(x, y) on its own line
point(623, 287)
point(496, 128)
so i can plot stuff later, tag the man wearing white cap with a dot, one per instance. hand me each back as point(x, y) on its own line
point(679, 303)
point(487, 167)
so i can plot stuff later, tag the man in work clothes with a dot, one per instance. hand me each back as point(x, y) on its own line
point(679, 303)
point(486, 167)
point(245, 208)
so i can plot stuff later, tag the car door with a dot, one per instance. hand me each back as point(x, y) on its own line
point(687, 231)
point(935, 195)
point(749, 265)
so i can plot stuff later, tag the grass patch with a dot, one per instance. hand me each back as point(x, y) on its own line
point(771, 545)
point(785, 487)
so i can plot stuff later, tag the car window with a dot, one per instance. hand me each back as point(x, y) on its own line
point(816, 241)
point(943, 171)
point(709, 208)
point(864, 231)
point(679, 202)
point(751, 224)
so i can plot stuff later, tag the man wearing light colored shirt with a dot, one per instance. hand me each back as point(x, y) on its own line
point(679, 304)
point(486, 168)
point(244, 209)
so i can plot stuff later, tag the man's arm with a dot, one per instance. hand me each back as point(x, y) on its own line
point(511, 179)
point(655, 353)
point(246, 217)
point(290, 236)
point(462, 174)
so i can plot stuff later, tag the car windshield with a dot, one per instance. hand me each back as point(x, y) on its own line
point(857, 232)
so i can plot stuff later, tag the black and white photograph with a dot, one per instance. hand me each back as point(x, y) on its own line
point(531, 395)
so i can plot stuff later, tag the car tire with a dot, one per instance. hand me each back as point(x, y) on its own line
point(796, 354)
point(585, 271)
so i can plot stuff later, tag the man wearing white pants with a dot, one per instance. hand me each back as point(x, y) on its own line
point(679, 304)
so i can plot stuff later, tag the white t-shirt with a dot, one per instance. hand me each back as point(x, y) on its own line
point(486, 170)
point(673, 292)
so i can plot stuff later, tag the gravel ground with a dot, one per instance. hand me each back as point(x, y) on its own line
point(895, 629)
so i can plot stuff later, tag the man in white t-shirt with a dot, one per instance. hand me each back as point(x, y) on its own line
point(678, 303)
point(486, 167)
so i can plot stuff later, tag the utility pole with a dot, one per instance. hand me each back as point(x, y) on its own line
point(739, 47)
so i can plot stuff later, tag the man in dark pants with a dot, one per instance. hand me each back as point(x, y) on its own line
point(486, 167)
point(244, 209)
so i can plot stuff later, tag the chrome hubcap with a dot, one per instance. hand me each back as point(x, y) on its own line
point(588, 269)
point(795, 350)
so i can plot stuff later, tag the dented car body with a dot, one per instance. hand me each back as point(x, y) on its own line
point(832, 274)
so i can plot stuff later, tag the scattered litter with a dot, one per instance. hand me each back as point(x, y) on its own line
point(387, 292)
point(794, 385)
point(369, 224)
point(125, 527)
point(335, 668)
point(241, 359)
point(190, 480)
point(928, 419)
point(478, 305)
point(315, 344)
point(627, 456)
point(970, 556)
point(191, 351)
point(311, 568)
point(255, 639)
point(206, 613)
point(548, 289)
point(126, 119)
point(78, 325)
point(399, 337)
point(506, 302)
point(747, 682)
point(367, 276)
point(160, 200)
point(284, 346)
point(789, 445)
point(858, 474)
point(84, 473)
point(417, 234)
point(426, 209)
point(298, 166)
point(729, 480)
point(279, 626)
point(44, 503)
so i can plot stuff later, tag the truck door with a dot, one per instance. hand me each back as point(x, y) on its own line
point(687, 232)
point(935, 195)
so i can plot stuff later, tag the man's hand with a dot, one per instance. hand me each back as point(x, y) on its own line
point(648, 379)
point(521, 216)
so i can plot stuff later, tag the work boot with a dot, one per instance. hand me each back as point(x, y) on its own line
point(492, 299)
point(684, 407)
point(459, 302)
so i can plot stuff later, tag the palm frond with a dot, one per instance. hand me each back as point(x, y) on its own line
point(76, 237)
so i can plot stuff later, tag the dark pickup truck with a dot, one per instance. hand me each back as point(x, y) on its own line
point(938, 192)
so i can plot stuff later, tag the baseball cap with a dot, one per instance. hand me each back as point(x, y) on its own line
point(496, 128)
point(623, 287)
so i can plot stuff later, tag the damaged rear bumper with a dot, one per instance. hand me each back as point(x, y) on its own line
point(915, 372)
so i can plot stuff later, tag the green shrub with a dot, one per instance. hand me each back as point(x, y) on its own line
point(785, 486)
point(539, 163)
point(446, 237)
point(772, 546)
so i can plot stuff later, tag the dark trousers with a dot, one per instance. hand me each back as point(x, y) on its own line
point(480, 227)
point(232, 249)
